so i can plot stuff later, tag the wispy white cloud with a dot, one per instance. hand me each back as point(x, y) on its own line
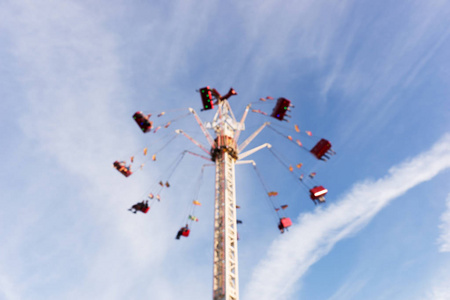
point(439, 289)
point(73, 93)
point(444, 238)
point(8, 290)
point(70, 73)
point(440, 292)
point(351, 287)
point(291, 256)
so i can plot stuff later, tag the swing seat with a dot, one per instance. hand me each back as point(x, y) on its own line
point(122, 168)
point(285, 222)
point(186, 233)
point(280, 109)
point(318, 192)
point(321, 148)
point(143, 122)
point(145, 210)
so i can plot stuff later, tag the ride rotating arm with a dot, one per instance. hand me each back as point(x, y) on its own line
point(202, 127)
point(256, 149)
point(244, 162)
point(250, 138)
point(241, 123)
point(193, 140)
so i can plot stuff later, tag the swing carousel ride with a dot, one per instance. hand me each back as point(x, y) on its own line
point(224, 153)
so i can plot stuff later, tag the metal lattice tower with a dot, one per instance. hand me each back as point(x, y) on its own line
point(224, 152)
point(225, 281)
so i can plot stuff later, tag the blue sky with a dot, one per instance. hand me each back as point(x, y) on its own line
point(370, 76)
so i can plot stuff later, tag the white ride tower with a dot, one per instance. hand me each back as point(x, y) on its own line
point(224, 152)
point(226, 278)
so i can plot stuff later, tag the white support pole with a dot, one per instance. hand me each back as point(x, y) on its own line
point(226, 276)
point(226, 283)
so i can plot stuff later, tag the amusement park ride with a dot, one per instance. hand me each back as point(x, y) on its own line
point(224, 151)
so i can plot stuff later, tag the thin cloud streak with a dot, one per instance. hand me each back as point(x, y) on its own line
point(292, 255)
point(444, 238)
point(70, 73)
point(352, 286)
point(439, 287)
point(7, 289)
point(73, 87)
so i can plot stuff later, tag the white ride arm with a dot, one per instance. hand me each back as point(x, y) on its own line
point(193, 140)
point(250, 138)
point(244, 162)
point(241, 123)
point(256, 149)
point(202, 127)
